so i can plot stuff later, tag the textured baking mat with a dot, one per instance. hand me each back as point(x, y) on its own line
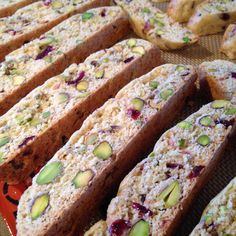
point(206, 49)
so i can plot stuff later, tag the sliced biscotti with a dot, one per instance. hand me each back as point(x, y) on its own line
point(212, 16)
point(228, 46)
point(33, 130)
point(219, 77)
point(157, 192)
point(108, 144)
point(182, 10)
point(33, 20)
point(8, 7)
point(69, 42)
point(219, 216)
point(152, 24)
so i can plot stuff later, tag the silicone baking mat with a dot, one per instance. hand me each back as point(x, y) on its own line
point(206, 49)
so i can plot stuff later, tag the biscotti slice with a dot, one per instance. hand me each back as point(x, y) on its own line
point(182, 10)
point(33, 130)
point(220, 77)
point(69, 42)
point(8, 7)
point(156, 26)
point(157, 192)
point(212, 16)
point(31, 21)
point(219, 216)
point(228, 46)
point(108, 144)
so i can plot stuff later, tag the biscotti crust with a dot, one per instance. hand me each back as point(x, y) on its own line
point(116, 123)
point(34, 154)
point(106, 35)
point(19, 40)
point(10, 8)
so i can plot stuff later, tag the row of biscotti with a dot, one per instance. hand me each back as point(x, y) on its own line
point(220, 77)
point(108, 144)
point(31, 21)
point(158, 191)
point(151, 23)
point(69, 42)
point(8, 7)
point(35, 127)
point(219, 216)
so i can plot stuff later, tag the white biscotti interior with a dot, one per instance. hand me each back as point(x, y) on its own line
point(154, 23)
point(115, 123)
point(223, 73)
point(47, 104)
point(219, 213)
point(31, 59)
point(170, 161)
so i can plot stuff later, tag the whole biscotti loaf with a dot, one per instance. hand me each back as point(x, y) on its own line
point(182, 10)
point(33, 130)
point(69, 42)
point(228, 46)
point(219, 77)
point(157, 192)
point(212, 16)
point(37, 18)
point(108, 144)
point(8, 7)
point(219, 216)
point(152, 24)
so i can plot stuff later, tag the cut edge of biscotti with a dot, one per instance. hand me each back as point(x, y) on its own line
point(154, 194)
point(228, 45)
point(64, 97)
point(181, 10)
point(42, 58)
point(211, 17)
point(152, 24)
point(220, 207)
point(99, 142)
point(218, 78)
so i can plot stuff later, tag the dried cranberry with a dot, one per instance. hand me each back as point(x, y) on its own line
point(225, 16)
point(94, 63)
point(47, 2)
point(142, 209)
point(174, 165)
point(147, 27)
point(128, 59)
point(226, 123)
point(118, 227)
point(134, 114)
point(26, 141)
point(45, 52)
point(195, 172)
point(233, 75)
point(103, 12)
point(76, 81)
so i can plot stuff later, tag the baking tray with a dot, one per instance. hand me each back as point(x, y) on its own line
point(206, 49)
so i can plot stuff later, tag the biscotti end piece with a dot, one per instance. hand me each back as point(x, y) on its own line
point(8, 7)
point(98, 229)
point(101, 151)
point(35, 19)
point(212, 16)
point(228, 46)
point(69, 42)
point(219, 77)
point(156, 26)
point(219, 215)
point(41, 122)
point(182, 10)
point(158, 191)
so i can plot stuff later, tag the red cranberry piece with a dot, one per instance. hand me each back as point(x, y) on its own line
point(76, 81)
point(47, 2)
point(128, 60)
point(142, 209)
point(226, 123)
point(103, 12)
point(134, 114)
point(118, 227)
point(26, 141)
point(225, 16)
point(195, 172)
point(233, 75)
point(147, 27)
point(174, 165)
point(44, 53)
